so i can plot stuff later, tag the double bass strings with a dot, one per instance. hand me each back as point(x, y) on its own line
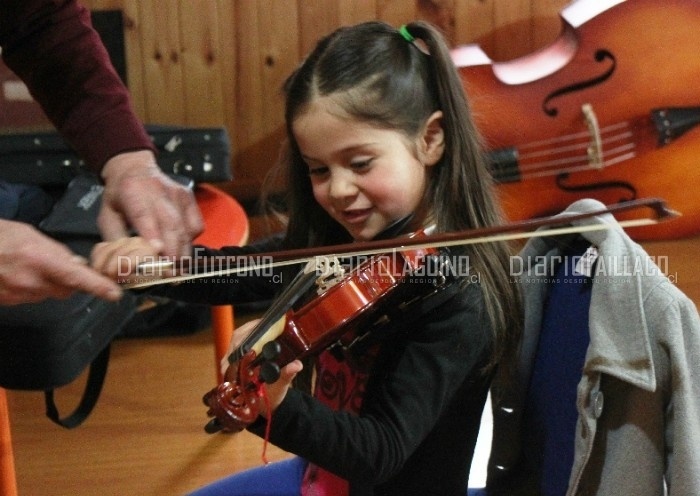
point(620, 141)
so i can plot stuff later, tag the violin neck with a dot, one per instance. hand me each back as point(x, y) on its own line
point(299, 286)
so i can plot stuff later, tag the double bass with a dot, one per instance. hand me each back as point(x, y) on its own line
point(609, 111)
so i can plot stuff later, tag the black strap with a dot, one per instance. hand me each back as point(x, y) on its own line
point(93, 388)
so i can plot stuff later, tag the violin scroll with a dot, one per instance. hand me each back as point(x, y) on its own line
point(236, 402)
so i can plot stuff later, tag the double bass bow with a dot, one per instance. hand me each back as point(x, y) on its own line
point(609, 111)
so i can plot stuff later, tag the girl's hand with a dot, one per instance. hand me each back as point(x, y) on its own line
point(121, 258)
point(276, 391)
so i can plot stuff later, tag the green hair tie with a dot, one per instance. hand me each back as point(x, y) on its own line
point(407, 36)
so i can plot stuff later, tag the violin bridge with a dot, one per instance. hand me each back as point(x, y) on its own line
point(330, 272)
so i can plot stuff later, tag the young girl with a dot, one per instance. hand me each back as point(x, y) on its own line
point(380, 144)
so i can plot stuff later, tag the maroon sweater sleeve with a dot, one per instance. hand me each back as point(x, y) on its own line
point(52, 47)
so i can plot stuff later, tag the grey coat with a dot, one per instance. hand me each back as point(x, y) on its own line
point(638, 400)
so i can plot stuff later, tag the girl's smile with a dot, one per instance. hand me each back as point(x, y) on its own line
point(356, 216)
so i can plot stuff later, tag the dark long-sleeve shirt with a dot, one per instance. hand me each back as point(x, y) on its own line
point(418, 423)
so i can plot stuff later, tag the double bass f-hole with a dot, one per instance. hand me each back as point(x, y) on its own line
point(596, 186)
point(601, 56)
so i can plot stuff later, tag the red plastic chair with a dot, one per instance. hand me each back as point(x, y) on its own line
point(225, 223)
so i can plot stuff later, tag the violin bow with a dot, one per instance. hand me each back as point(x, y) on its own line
point(507, 232)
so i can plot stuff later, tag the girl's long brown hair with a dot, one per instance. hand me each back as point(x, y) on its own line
point(377, 76)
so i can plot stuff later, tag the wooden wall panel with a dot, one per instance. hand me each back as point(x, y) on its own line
point(545, 22)
point(267, 44)
point(228, 49)
point(474, 20)
point(161, 49)
point(355, 11)
point(507, 30)
point(223, 62)
point(201, 63)
point(511, 27)
point(396, 12)
point(442, 14)
point(249, 95)
point(315, 19)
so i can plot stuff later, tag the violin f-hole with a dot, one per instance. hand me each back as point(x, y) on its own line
point(601, 55)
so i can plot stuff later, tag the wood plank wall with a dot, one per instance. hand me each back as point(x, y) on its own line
point(222, 62)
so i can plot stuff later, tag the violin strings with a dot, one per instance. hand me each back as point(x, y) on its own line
point(289, 296)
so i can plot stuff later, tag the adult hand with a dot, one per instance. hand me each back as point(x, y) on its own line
point(33, 267)
point(138, 194)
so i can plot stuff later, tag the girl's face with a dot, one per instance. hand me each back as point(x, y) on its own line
point(365, 177)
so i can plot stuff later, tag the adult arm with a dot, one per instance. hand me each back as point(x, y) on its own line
point(52, 47)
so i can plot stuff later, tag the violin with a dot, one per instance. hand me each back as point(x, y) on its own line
point(608, 111)
point(348, 304)
point(344, 308)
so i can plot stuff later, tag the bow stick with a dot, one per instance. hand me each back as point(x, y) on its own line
point(507, 232)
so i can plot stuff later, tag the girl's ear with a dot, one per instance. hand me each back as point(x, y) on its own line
point(432, 143)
